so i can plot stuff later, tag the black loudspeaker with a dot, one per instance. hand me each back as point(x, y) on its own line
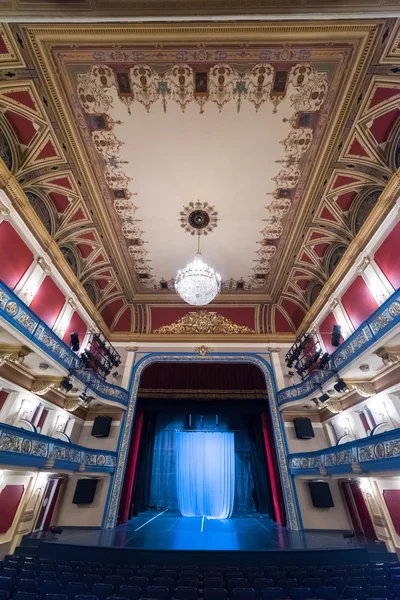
point(320, 492)
point(336, 335)
point(101, 427)
point(303, 427)
point(84, 491)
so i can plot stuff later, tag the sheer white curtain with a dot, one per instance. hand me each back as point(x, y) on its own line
point(205, 474)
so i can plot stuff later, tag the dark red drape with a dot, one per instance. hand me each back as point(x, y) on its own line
point(129, 478)
point(273, 468)
point(362, 510)
point(351, 507)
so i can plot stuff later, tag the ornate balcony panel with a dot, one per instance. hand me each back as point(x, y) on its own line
point(374, 453)
point(15, 312)
point(25, 448)
point(378, 324)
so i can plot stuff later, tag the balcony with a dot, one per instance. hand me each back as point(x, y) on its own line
point(384, 319)
point(19, 447)
point(379, 452)
point(18, 314)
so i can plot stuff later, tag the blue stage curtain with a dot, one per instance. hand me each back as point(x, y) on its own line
point(205, 474)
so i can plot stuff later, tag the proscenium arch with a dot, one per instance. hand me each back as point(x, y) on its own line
point(111, 510)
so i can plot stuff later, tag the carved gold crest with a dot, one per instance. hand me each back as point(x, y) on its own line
point(202, 322)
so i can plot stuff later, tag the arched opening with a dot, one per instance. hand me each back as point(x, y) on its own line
point(195, 398)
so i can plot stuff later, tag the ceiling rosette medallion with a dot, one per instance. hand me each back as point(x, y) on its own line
point(302, 86)
point(198, 218)
point(204, 322)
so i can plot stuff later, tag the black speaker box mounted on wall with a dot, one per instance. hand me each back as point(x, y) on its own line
point(84, 491)
point(101, 427)
point(321, 496)
point(303, 427)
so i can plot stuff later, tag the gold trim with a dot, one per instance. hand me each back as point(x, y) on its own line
point(204, 322)
point(387, 201)
point(42, 37)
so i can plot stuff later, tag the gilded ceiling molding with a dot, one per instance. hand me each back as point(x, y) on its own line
point(203, 322)
point(13, 354)
point(389, 355)
point(203, 350)
point(386, 203)
point(41, 385)
point(366, 389)
point(334, 405)
point(19, 201)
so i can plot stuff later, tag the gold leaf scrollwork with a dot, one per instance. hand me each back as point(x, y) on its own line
point(204, 322)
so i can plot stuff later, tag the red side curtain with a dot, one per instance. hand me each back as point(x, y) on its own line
point(129, 479)
point(363, 512)
point(352, 508)
point(273, 468)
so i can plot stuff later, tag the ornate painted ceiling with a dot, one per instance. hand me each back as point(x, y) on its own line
point(273, 141)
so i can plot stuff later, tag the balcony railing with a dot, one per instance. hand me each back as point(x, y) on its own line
point(381, 451)
point(17, 313)
point(377, 325)
point(25, 448)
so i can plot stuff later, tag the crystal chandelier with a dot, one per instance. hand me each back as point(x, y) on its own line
point(198, 284)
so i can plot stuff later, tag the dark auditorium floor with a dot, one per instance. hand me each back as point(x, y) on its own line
point(155, 531)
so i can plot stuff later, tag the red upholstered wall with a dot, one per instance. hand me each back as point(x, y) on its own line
point(165, 315)
point(392, 500)
point(387, 257)
point(48, 302)
point(15, 256)
point(358, 302)
point(76, 325)
point(3, 397)
point(10, 497)
point(326, 331)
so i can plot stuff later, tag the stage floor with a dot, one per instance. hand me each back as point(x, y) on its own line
point(170, 531)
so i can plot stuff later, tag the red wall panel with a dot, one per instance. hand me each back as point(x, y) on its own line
point(326, 328)
point(387, 257)
point(3, 397)
point(165, 315)
point(281, 322)
point(48, 302)
point(108, 313)
point(392, 500)
point(76, 325)
point(10, 497)
point(15, 256)
point(358, 302)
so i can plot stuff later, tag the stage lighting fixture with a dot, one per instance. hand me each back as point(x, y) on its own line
point(291, 373)
point(336, 335)
point(324, 360)
point(324, 397)
point(115, 374)
point(340, 386)
point(74, 343)
point(56, 529)
point(66, 384)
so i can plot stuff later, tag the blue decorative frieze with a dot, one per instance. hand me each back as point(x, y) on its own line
point(380, 451)
point(379, 323)
point(25, 448)
point(14, 311)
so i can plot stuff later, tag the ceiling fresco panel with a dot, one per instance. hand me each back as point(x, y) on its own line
point(264, 137)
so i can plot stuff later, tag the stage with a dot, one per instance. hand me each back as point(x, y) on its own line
point(250, 538)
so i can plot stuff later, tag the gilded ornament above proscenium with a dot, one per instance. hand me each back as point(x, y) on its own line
point(203, 322)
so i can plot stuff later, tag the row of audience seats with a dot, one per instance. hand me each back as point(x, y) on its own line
point(35, 578)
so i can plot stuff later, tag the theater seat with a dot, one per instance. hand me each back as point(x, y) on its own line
point(102, 590)
point(75, 588)
point(185, 593)
point(24, 596)
point(274, 593)
point(300, 593)
point(244, 594)
point(132, 592)
point(327, 593)
point(260, 583)
point(215, 594)
point(158, 592)
point(354, 592)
